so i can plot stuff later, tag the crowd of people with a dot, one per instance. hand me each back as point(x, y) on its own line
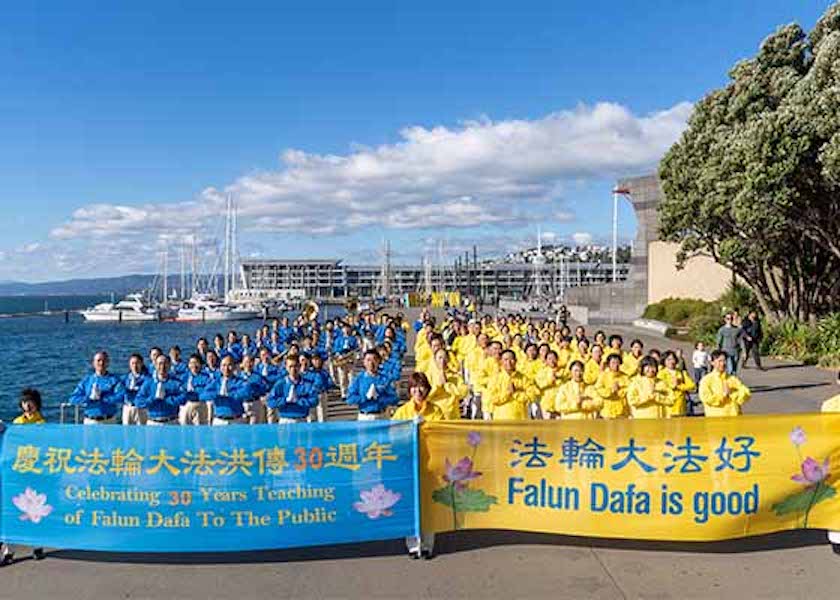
point(500, 368)
point(466, 367)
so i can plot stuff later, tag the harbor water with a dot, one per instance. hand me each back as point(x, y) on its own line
point(46, 353)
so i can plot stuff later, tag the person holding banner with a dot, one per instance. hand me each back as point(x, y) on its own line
point(832, 405)
point(419, 407)
point(722, 394)
point(612, 388)
point(293, 396)
point(575, 399)
point(227, 392)
point(370, 390)
point(99, 393)
point(678, 382)
point(648, 396)
point(509, 391)
point(161, 394)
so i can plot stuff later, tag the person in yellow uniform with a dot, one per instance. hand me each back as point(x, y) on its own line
point(580, 352)
point(722, 395)
point(575, 399)
point(647, 396)
point(549, 379)
point(593, 366)
point(630, 361)
point(419, 406)
point(678, 383)
point(30, 407)
point(833, 405)
point(612, 388)
point(509, 391)
point(448, 387)
point(614, 344)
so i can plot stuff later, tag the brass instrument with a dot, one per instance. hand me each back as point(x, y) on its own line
point(309, 311)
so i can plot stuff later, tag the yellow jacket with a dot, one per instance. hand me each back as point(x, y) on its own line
point(529, 368)
point(648, 398)
point(615, 402)
point(462, 346)
point(831, 405)
point(715, 403)
point(576, 401)
point(679, 384)
point(488, 367)
point(591, 371)
point(472, 362)
point(447, 392)
point(34, 419)
point(548, 381)
point(506, 404)
point(630, 364)
point(407, 412)
point(564, 357)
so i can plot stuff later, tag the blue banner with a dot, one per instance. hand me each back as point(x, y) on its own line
point(187, 489)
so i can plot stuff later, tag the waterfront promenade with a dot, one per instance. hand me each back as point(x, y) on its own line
point(483, 565)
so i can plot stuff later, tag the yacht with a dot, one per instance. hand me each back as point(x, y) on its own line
point(207, 309)
point(131, 308)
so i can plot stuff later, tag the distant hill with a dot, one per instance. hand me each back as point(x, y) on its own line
point(84, 287)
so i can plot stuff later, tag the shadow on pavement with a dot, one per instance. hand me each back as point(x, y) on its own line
point(337, 552)
point(449, 543)
point(454, 542)
point(760, 389)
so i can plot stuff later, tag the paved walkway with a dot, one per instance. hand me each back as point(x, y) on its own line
point(493, 564)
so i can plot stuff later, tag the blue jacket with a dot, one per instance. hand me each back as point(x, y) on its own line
point(230, 404)
point(287, 334)
point(391, 369)
point(385, 394)
point(130, 391)
point(161, 408)
point(270, 372)
point(111, 394)
point(305, 397)
point(344, 344)
point(197, 383)
point(234, 351)
point(257, 384)
point(321, 379)
point(250, 350)
point(179, 370)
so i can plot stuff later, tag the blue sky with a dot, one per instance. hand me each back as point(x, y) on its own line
point(336, 124)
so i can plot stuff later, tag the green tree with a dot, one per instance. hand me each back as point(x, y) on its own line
point(754, 182)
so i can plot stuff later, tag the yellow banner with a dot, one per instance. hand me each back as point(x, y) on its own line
point(663, 479)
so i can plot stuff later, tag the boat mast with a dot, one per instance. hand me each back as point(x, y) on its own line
point(227, 246)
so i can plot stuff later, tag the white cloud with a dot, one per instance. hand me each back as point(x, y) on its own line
point(501, 173)
point(582, 238)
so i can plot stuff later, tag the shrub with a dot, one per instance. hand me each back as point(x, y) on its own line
point(828, 330)
point(739, 296)
point(678, 311)
point(703, 328)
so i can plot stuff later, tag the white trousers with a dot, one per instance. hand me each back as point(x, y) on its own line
point(219, 422)
point(369, 416)
point(131, 415)
point(108, 421)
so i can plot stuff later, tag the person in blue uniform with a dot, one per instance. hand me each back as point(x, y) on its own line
point(194, 411)
point(293, 396)
point(248, 347)
point(371, 391)
point(286, 331)
point(219, 346)
point(100, 394)
point(345, 347)
point(227, 392)
point(257, 388)
point(211, 365)
point(201, 348)
point(323, 383)
point(132, 382)
point(162, 394)
point(233, 347)
point(178, 369)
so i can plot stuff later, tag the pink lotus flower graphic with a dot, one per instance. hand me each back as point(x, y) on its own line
point(377, 502)
point(460, 473)
point(33, 505)
point(812, 472)
point(797, 436)
point(473, 438)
